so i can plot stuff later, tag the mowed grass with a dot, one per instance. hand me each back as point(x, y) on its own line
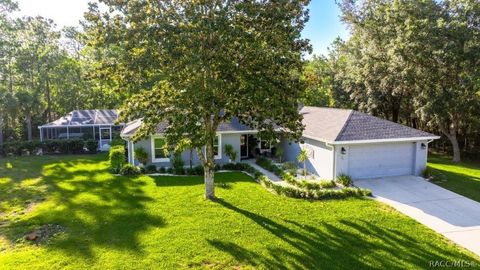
point(462, 178)
point(114, 222)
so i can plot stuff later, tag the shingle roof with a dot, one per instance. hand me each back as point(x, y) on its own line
point(233, 125)
point(86, 117)
point(336, 125)
point(326, 124)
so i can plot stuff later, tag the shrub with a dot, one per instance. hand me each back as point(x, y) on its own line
point(169, 170)
point(141, 155)
point(162, 170)
point(74, 146)
point(92, 146)
point(230, 152)
point(344, 180)
point(317, 194)
point(290, 167)
point(129, 169)
point(51, 146)
point(190, 171)
point(118, 141)
point(150, 168)
point(198, 170)
point(269, 166)
point(236, 166)
point(427, 173)
point(116, 156)
point(177, 163)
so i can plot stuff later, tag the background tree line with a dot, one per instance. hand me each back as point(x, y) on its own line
point(412, 62)
point(44, 74)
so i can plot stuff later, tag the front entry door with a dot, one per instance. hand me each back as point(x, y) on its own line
point(244, 146)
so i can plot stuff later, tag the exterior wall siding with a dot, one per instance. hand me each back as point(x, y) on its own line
point(320, 161)
point(232, 139)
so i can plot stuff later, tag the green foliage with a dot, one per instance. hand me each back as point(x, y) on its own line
point(416, 60)
point(290, 167)
point(120, 210)
point(141, 155)
point(92, 146)
point(308, 185)
point(318, 76)
point(117, 159)
point(118, 141)
point(177, 163)
point(73, 146)
point(344, 180)
point(199, 68)
point(268, 165)
point(129, 170)
point(314, 194)
point(303, 157)
point(230, 152)
point(162, 170)
point(150, 168)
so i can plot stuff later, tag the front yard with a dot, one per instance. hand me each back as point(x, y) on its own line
point(462, 178)
point(96, 220)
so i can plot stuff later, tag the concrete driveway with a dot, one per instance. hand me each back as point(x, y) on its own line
point(454, 216)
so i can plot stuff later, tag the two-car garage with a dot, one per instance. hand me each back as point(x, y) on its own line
point(343, 141)
point(377, 160)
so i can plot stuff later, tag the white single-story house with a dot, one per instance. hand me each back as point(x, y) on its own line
point(99, 125)
point(338, 141)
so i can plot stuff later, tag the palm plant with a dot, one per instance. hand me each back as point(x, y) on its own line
point(303, 157)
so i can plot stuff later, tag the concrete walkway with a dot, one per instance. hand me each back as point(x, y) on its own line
point(268, 174)
point(453, 215)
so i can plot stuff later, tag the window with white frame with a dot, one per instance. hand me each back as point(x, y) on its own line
point(216, 147)
point(159, 149)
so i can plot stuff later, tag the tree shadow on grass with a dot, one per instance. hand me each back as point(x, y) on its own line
point(222, 180)
point(356, 244)
point(95, 207)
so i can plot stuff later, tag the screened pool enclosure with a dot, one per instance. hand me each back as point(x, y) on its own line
point(98, 125)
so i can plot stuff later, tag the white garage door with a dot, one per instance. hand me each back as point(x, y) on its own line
point(376, 160)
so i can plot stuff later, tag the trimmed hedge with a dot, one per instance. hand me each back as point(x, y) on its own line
point(73, 146)
point(308, 185)
point(116, 157)
point(319, 194)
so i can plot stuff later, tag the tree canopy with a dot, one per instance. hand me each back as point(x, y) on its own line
point(197, 64)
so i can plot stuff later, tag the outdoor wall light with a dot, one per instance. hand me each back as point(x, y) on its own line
point(343, 151)
point(423, 146)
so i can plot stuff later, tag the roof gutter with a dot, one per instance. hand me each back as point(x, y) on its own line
point(412, 139)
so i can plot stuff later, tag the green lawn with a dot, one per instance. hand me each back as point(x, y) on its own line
point(462, 178)
point(164, 223)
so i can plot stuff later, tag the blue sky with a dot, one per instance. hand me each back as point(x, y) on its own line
point(324, 25)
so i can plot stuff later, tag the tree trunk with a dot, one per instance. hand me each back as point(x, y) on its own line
point(29, 127)
point(209, 183)
point(451, 134)
point(207, 158)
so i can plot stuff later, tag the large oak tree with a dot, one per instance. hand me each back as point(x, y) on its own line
point(195, 64)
